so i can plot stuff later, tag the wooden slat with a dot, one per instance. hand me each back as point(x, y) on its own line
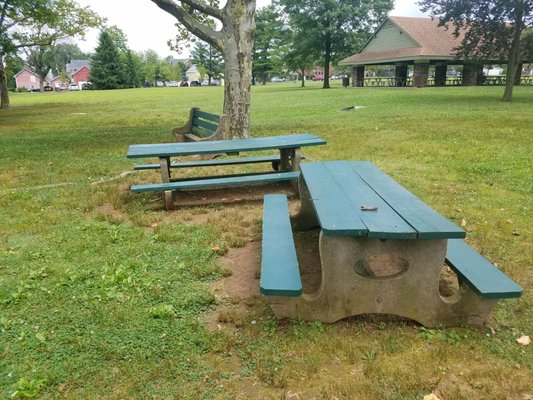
point(212, 163)
point(207, 116)
point(208, 126)
point(217, 182)
point(427, 222)
point(335, 215)
point(483, 277)
point(280, 275)
point(384, 222)
point(223, 146)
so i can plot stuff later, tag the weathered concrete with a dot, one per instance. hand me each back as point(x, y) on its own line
point(413, 293)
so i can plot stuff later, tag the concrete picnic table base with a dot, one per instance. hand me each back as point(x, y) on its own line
point(413, 293)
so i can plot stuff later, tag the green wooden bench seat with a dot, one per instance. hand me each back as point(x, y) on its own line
point(483, 277)
point(210, 182)
point(201, 126)
point(274, 159)
point(280, 275)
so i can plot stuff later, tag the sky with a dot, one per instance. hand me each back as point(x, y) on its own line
point(148, 27)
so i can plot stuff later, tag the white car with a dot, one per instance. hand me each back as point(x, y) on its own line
point(73, 86)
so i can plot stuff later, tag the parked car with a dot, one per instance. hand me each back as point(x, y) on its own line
point(184, 83)
point(87, 86)
point(73, 87)
point(48, 88)
point(172, 84)
point(318, 78)
point(195, 83)
point(277, 80)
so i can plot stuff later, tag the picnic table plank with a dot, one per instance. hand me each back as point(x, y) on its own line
point(340, 219)
point(427, 222)
point(381, 220)
point(223, 146)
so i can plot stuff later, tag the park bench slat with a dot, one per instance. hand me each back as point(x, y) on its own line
point(338, 220)
point(427, 222)
point(214, 162)
point(205, 126)
point(384, 223)
point(207, 116)
point(280, 275)
point(483, 277)
point(224, 146)
point(217, 182)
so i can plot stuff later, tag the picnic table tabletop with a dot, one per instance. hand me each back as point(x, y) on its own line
point(356, 198)
point(224, 146)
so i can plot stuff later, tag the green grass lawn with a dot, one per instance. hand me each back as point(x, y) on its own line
point(105, 295)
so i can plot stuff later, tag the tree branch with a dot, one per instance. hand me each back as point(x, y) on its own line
point(4, 12)
point(205, 8)
point(204, 32)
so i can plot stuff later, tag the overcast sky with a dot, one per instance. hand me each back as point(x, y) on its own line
point(148, 27)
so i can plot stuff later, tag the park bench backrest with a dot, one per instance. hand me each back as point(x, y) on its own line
point(203, 124)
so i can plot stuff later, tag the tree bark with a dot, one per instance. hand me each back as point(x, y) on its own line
point(235, 42)
point(514, 54)
point(4, 92)
point(327, 60)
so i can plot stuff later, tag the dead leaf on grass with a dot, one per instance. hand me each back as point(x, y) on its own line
point(523, 340)
point(431, 396)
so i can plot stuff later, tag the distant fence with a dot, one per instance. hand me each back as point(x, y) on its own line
point(450, 81)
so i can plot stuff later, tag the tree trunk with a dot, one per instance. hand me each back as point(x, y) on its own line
point(4, 92)
point(238, 69)
point(303, 78)
point(327, 60)
point(514, 55)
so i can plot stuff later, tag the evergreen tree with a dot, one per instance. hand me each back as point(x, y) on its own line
point(209, 59)
point(107, 67)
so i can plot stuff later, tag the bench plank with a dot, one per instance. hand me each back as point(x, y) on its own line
point(427, 222)
point(216, 182)
point(214, 162)
point(204, 125)
point(483, 277)
point(280, 275)
point(206, 115)
point(338, 220)
point(223, 146)
point(383, 223)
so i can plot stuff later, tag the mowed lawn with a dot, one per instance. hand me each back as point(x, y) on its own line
point(104, 295)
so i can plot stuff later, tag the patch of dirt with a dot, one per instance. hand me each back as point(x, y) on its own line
point(107, 212)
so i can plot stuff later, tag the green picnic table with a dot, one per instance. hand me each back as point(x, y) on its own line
point(286, 162)
point(369, 224)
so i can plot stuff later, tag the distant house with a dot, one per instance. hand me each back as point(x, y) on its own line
point(192, 73)
point(27, 78)
point(75, 65)
point(81, 75)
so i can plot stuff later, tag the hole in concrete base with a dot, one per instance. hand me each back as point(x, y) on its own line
point(448, 283)
point(381, 266)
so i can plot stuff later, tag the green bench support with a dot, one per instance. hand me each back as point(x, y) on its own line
point(217, 182)
point(474, 269)
point(274, 159)
point(201, 126)
point(280, 275)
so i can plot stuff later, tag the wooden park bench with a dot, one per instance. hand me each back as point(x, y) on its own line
point(201, 126)
point(286, 162)
point(368, 221)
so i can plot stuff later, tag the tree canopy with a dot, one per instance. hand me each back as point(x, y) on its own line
point(333, 29)
point(492, 28)
point(33, 23)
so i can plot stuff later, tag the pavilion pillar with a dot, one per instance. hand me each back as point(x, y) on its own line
point(358, 76)
point(420, 74)
point(440, 74)
point(401, 74)
point(470, 74)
